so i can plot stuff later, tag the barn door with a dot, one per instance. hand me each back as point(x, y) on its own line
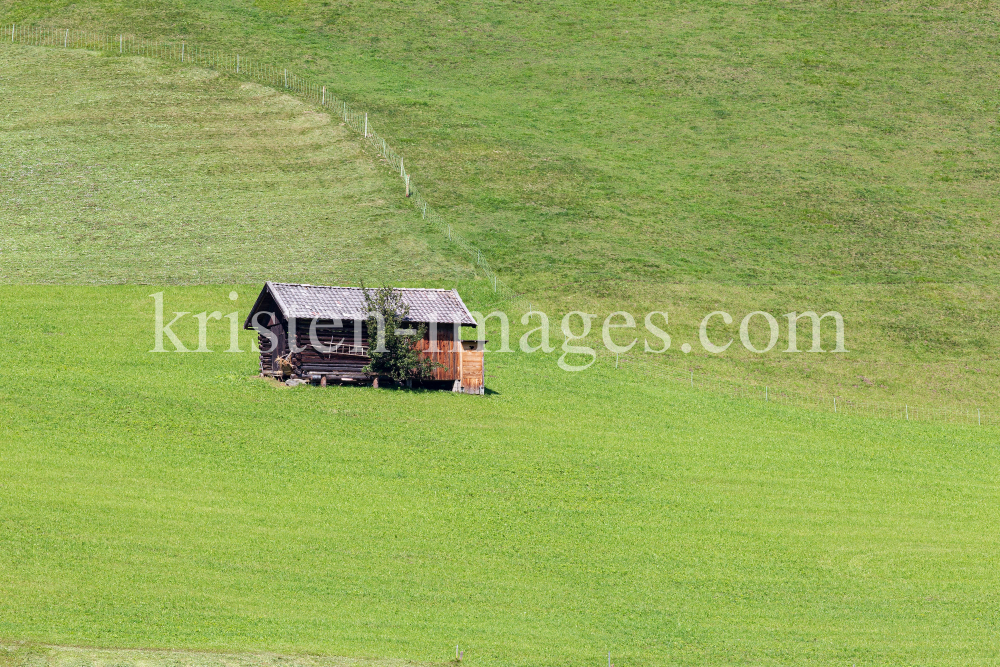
point(472, 368)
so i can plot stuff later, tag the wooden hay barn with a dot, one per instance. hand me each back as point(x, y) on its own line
point(319, 334)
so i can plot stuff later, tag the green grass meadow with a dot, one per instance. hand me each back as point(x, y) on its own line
point(684, 157)
point(594, 146)
point(692, 156)
point(145, 172)
point(173, 500)
point(141, 171)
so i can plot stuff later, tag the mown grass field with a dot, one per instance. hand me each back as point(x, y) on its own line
point(172, 500)
point(137, 170)
point(26, 654)
point(691, 156)
point(685, 157)
point(592, 146)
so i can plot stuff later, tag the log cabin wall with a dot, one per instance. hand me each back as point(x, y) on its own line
point(269, 352)
point(337, 354)
point(340, 356)
point(268, 356)
point(268, 316)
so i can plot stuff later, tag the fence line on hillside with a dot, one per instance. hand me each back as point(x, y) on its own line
point(830, 403)
point(279, 77)
point(320, 95)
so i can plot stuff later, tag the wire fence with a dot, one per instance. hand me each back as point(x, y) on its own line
point(833, 404)
point(275, 76)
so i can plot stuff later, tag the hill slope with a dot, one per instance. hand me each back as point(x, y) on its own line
point(589, 143)
point(141, 171)
point(172, 500)
point(689, 157)
point(658, 157)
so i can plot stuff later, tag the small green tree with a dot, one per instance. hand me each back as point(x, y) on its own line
point(397, 357)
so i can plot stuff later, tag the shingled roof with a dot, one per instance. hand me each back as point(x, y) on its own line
point(346, 303)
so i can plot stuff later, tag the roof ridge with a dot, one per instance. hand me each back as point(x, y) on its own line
point(428, 304)
point(409, 289)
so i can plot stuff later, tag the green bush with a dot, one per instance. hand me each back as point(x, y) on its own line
point(396, 355)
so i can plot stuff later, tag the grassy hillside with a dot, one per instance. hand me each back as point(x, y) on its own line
point(172, 500)
point(691, 157)
point(140, 171)
point(591, 143)
point(685, 157)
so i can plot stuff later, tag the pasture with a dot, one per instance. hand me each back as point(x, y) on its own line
point(202, 178)
point(175, 501)
point(601, 149)
point(686, 157)
point(137, 170)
